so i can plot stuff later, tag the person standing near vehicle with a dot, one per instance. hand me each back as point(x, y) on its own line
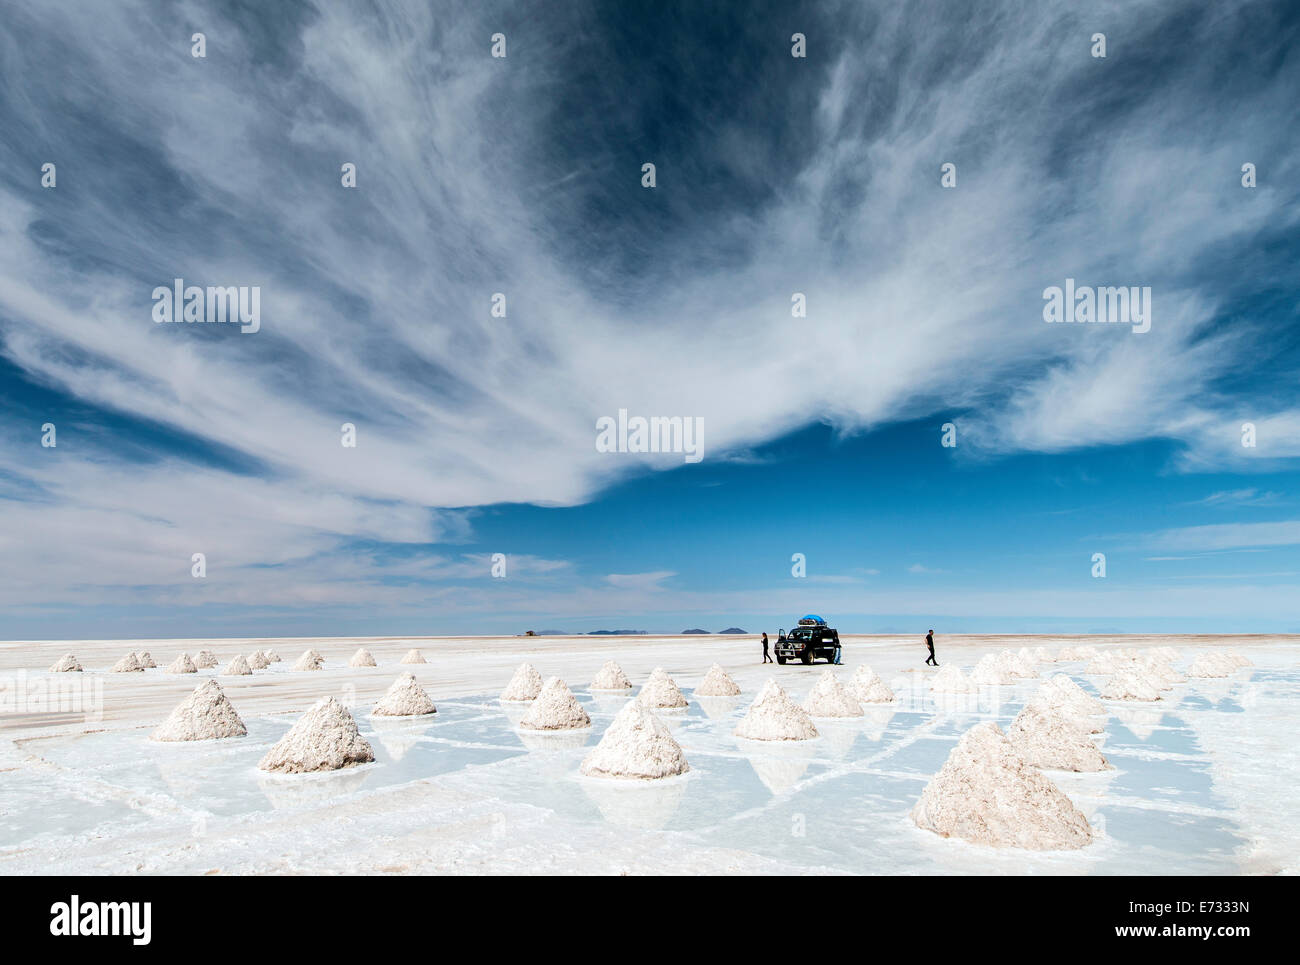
point(929, 642)
point(767, 657)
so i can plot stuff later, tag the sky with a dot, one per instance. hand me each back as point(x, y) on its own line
point(822, 434)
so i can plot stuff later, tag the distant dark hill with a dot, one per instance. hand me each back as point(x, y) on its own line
point(616, 633)
point(733, 630)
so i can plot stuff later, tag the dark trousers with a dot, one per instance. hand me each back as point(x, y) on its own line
point(767, 658)
point(930, 659)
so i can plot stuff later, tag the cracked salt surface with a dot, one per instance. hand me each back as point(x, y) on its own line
point(1196, 789)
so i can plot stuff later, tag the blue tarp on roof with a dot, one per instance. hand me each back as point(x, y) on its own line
point(814, 618)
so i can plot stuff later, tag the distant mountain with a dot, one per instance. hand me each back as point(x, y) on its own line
point(616, 633)
point(684, 632)
point(732, 630)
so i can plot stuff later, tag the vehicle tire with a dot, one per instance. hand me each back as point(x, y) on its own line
point(806, 656)
point(780, 659)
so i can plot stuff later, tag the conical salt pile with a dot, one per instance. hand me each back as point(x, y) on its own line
point(1047, 737)
point(272, 656)
point(773, 716)
point(1127, 685)
point(324, 739)
point(1015, 664)
point(1043, 655)
point(660, 691)
point(991, 671)
point(413, 656)
point(987, 793)
point(205, 660)
point(866, 685)
point(310, 660)
point(830, 698)
point(405, 698)
point(526, 684)
point(66, 664)
point(1211, 665)
point(257, 660)
point(146, 659)
point(717, 683)
point(362, 658)
point(182, 664)
point(611, 677)
point(238, 667)
point(950, 680)
point(1063, 692)
point(637, 745)
point(555, 709)
point(128, 664)
point(206, 714)
point(1237, 659)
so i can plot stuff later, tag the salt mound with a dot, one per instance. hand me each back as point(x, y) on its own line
point(1071, 654)
point(773, 716)
point(637, 745)
point(1237, 659)
point(717, 683)
point(405, 698)
point(310, 660)
point(611, 677)
point(238, 667)
point(987, 793)
point(1045, 702)
point(1048, 738)
point(1015, 665)
point(272, 656)
point(1061, 691)
point(324, 739)
point(205, 660)
point(990, 670)
point(182, 664)
point(146, 659)
point(257, 660)
point(661, 691)
point(413, 656)
point(66, 664)
point(206, 714)
point(1211, 665)
point(526, 684)
point(1043, 655)
point(950, 680)
point(362, 658)
point(830, 698)
point(1027, 656)
point(128, 664)
point(555, 709)
point(1127, 685)
point(867, 686)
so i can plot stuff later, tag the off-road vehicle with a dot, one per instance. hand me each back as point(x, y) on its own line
point(810, 640)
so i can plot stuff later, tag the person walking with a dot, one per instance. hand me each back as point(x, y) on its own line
point(929, 642)
point(767, 657)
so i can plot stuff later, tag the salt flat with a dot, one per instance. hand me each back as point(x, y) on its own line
point(1202, 780)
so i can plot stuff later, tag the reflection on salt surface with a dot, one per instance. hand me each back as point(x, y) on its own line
point(1169, 805)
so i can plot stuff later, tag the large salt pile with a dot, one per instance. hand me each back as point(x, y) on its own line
point(310, 660)
point(1016, 665)
point(206, 714)
point(413, 656)
point(555, 709)
point(362, 658)
point(1159, 673)
point(637, 745)
point(257, 660)
point(324, 739)
point(991, 671)
point(1211, 665)
point(272, 656)
point(830, 698)
point(987, 793)
point(205, 660)
point(526, 684)
point(866, 685)
point(950, 680)
point(1043, 655)
point(660, 691)
point(1063, 692)
point(128, 664)
point(773, 716)
point(1237, 659)
point(146, 659)
point(405, 698)
point(66, 664)
point(238, 667)
point(717, 683)
point(611, 677)
point(1048, 737)
point(182, 664)
point(1128, 685)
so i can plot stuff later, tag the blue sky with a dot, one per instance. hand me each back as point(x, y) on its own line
point(522, 175)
